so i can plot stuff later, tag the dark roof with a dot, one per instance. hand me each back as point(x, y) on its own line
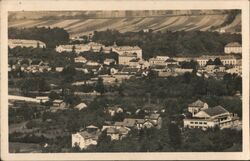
point(217, 110)
point(170, 60)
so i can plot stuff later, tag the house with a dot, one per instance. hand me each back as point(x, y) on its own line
point(117, 133)
point(233, 48)
point(171, 61)
point(59, 69)
point(129, 71)
point(197, 106)
point(43, 99)
point(80, 59)
point(225, 59)
point(237, 69)
point(81, 106)
point(12, 43)
point(158, 60)
point(109, 62)
point(92, 63)
point(155, 119)
point(112, 110)
point(59, 104)
point(85, 138)
point(134, 63)
point(212, 117)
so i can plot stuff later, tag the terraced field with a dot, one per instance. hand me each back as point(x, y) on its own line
point(78, 27)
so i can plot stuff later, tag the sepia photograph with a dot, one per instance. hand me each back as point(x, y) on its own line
point(114, 81)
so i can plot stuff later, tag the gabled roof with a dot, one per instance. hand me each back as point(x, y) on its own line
point(233, 44)
point(217, 110)
point(197, 103)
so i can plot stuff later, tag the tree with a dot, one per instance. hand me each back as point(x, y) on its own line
point(174, 135)
point(100, 86)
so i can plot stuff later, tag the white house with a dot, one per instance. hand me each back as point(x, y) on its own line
point(158, 60)
point(233, 48)
point(81, 106)
point(59, 103)
point(197, 106)
point(43, 99)
point(112, 110)
point(85, 138)
point(80, 59)
point(212, 117)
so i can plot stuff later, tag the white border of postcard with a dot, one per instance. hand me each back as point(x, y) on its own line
point(50, 5)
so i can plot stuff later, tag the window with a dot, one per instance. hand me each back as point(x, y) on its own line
point(205, 123)
point(200, 122)
point(196, 122)
point(191, 122)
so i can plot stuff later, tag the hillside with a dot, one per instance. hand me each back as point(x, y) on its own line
point(80, 24)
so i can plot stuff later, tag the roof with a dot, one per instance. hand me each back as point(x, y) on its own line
point(116, 107)
point(154, 116)
point(197, 103)
point(57, 101)
point(81, 105)
point(130, 70)
point(217, 110)
point(91, 127)
point(87, 135)
point(127, 48)
point(121, 130)
point(129, 122)
point(170, 60)
point(233, 44)
point(134, 60)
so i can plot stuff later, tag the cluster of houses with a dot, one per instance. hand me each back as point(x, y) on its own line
point(130, 57)
point(205, 117)
point(116, 130)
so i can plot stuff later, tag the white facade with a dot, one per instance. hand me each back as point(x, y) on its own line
point(80, 59)
point(121, 50)
point(12, 43)
point(233, 48)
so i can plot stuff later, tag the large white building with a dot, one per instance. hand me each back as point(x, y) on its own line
point(121, 50)
point(92, 46)
point(85, 138)
point(233, 48)
point(212, 117)
point(12, 43)
point(158, 60)
point(225, 59)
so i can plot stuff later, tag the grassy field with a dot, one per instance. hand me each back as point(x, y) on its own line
point(15, 147)
point(83, 26)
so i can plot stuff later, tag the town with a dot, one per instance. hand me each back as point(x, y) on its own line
point(83, 95)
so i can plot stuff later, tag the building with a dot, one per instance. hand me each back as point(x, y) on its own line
point(12, 43)
point(121, 50)
point(171, 61)
point(59, 104)
point(109, 62)
point(85, 138)
point(197, 106)
point(211, 118)
point(225, 59)
point(112, 110)
point(78, 48)
point(117, 133)
point(81, 106)
point(80, 59)
point(158, 60)
point(43, 99)
point(233, 48)
point(125, 58)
